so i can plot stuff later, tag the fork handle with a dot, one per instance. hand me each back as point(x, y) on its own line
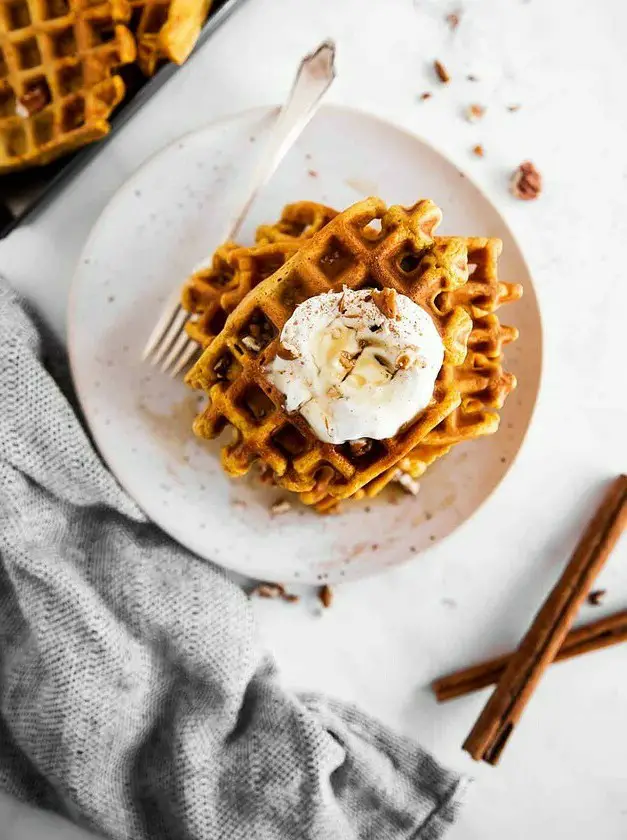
point(315, 74)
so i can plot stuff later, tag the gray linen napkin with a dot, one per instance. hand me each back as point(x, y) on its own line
point(133, 696)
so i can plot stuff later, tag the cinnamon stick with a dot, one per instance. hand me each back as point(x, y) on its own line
point(548, 631)
point(611, 630)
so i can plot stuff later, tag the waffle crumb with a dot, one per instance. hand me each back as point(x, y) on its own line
point(479, 151)
point(280, 507)
point(346, 360)
point(526, 182)
point(475, 112)
point(385, 301)
point(325, 596)
point(441, 72)
point(410, 485)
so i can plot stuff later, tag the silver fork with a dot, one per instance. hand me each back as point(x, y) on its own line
point(168, 344)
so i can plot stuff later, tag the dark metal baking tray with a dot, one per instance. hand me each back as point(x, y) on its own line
point(26, 192)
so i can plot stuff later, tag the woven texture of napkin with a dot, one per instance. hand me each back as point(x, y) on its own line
point(134, 698)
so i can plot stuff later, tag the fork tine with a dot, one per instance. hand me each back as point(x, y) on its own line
point(175, 350)
point(315, 74)
point(187, 354)
point(171, 335)
point(168, 312)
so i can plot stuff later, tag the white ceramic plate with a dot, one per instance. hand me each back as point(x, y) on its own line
point(163, 222)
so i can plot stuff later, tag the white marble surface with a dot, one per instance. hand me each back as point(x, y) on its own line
point(564, 773)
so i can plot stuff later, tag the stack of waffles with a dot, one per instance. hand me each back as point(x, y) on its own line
point(240, 303)
point(59, 63)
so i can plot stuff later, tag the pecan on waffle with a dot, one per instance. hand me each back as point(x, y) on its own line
point(57, 86)
point(348, 252)
point(166, 30)
point(482, 382)
point(212, 292)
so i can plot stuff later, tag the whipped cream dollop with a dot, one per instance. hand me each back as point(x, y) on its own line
point(357, 364)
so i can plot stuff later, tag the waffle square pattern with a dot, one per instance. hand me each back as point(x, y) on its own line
point(57, 80)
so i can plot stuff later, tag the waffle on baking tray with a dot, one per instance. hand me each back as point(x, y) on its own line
point(57, 75)
point(366, 246)
point(166, 30)
point(59, 63)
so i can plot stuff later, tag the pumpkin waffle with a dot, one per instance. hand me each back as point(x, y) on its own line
point(350, 251)
point(482, 382)
point(57, 87)
point(213, 292)
point(166, 30)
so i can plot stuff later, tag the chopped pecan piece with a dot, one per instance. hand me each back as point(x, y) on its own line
point(410, 485)
point(34, 100)
point(441, 72)
point(285, 353)
point(526, 182)
point(346, 360)
point(251, 343)
point(325, 595)
point(385, 301)
point(221, 367)
point(596, 597)
point(280, 507)
point(453, 20)
point(360, 447)
point(475, 112)
point(268, 590)
point(274, 590)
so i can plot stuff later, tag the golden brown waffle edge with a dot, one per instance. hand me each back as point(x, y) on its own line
point(166, 30)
